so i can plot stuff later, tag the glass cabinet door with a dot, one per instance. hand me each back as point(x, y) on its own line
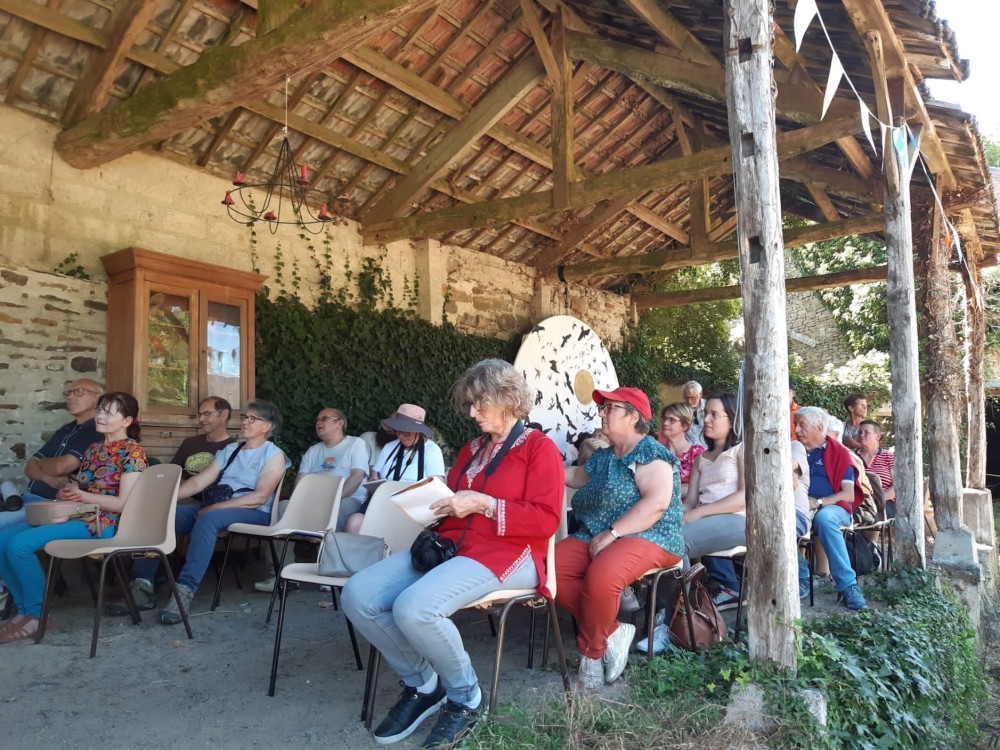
point(170, 348)
point(224, 356)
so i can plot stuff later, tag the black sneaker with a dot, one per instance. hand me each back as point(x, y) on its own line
point(453, 724)
point(404, 717)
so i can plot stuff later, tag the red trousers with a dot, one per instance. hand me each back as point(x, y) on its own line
point(590, 588)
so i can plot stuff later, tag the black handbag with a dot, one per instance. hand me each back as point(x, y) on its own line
point(219, 493)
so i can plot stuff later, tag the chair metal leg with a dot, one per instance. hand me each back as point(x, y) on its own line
point(88, 577)
point(560, 651)
point(501, 631)
point(531, 640)
point(277, 639)
point(123, 580)
point(371, 682)
point(739, 601)
point(218, 583)
point(493, 625)
point(277, 576)
point(40, 633)
point(354, 644)
point(100, 605)
point(177, 597)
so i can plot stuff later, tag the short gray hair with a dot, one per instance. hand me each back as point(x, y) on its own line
point(692, 386)
point(835, 426)
point(813, 416)
point(495, 383)
point(268, 412)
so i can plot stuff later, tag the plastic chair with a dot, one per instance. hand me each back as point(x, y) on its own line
point(506, 601)
point(145, 529)
point(315, 498)
point(382, 519)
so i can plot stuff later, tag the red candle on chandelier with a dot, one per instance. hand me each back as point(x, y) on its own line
point(228, 200)
point(239, 180)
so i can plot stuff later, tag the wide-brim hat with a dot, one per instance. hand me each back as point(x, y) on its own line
point(409, 418)
point(632, 396)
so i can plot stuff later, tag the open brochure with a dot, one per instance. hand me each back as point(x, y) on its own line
point(415, 500)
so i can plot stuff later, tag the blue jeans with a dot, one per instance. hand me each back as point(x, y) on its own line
point(19, 566)
point(204, 531)
point(11, 517)
point(828, 522)
point(405, 614)
point(801, 527)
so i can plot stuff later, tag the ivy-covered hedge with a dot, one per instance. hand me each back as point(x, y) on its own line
point(363, 361)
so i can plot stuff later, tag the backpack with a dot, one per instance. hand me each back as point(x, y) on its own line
point(864, 554)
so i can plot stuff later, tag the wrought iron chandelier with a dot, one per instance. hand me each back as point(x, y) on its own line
point(287, 198)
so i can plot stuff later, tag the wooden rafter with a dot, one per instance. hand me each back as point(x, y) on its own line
point(628, 182)
point(224, 77)
point(673, 31)
point(669, 260)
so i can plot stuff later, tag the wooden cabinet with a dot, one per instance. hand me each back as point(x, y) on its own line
point(178, 331)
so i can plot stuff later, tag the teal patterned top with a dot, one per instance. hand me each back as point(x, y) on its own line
point(611, 491)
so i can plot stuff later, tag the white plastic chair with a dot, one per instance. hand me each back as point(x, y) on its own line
point(382, 519)
point(145, 529)
point(315, 498)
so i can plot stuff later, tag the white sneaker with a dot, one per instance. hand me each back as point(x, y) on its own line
point(616, 656)
point(8, 489)
point(591, 674)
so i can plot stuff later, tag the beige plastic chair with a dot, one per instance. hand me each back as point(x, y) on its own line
point(146, 528)
point(505, 600)
point(382, 519)
point(315, 498)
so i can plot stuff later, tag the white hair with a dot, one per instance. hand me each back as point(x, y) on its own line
point(835, 427)
point(814, 416)
point(692, 386)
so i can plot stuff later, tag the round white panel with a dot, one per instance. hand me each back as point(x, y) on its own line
point(563, 360)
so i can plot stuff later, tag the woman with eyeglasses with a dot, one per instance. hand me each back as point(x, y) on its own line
point(715, 509)
point(628, 503)
point(108, 472)
point(251, 469)
point(675, 421)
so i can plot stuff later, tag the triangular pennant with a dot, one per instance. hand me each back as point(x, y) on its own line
point(832, 82)
point(866, 121)
point(913, 145)
point(805, 10)
point(884, 132)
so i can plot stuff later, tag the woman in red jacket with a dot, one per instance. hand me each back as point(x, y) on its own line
point(508, 486)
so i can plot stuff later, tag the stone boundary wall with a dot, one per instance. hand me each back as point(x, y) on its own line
point(812, 331)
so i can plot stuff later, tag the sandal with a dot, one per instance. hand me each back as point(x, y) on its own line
point(22, 629)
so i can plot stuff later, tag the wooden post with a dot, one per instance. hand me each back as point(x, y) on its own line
point(903, 363)
point(943, 384)
point(772, 588)
point(975, 343)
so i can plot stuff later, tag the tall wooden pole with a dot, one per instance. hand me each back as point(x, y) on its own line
point(975, 343)
point(772, 595)
point(943, 384)
point(903, 361)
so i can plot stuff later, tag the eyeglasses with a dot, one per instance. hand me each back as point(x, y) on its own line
point(77, 392)
point(205, 414)
point(327, 419)
point(605, 407)
point(716, 415)
point(670, 420)
point(252, 418)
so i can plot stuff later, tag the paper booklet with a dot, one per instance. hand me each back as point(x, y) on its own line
point(415, 500)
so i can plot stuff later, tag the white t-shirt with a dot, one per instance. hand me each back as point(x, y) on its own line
point(340, 460)
point(433, 461)
point(801, 492)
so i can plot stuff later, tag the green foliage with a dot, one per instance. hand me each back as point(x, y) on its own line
point(70, 266)
point(697, 335)
point(859, 311)
point(868, 375)
point(991, 150)
point(363, 361)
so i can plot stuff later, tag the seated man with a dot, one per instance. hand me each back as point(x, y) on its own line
point(55, 462)
point(835, 494)
point(198, 451)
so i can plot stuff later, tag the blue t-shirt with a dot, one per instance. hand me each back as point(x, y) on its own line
point(819, 482)
point(611, 491)
point(69, 440)
point(244, 471)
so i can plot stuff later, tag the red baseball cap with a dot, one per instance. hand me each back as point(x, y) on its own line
point(632, 396)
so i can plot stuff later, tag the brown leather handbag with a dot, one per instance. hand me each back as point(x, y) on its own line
point(695, 613)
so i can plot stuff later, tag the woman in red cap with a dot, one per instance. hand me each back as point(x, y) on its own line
point(629, 505)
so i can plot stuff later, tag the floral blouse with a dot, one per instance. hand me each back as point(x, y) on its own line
point(611, 491)
point(101, 472)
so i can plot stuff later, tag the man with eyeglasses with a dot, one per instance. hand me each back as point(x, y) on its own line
point(198, 451)
point(55, 462)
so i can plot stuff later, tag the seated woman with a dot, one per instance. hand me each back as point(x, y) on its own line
point(108, 472)
point(252, 468)
point(508, 499)
point(410, 457)
point(629, 507)
point(879, 462)
point(715, 510)
point(675, 421)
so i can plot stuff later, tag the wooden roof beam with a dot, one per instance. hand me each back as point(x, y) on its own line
point(224, 77)
point(673, 31)
point(93, 87)
point(498, 101)
point(669, 260)
point(627, 182)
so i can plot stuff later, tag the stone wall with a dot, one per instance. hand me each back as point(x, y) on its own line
point(812, 331)
point(52, 331)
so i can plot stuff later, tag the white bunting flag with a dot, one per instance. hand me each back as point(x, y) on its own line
point(832, 82)
point(805, 11)
point(866, 121)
